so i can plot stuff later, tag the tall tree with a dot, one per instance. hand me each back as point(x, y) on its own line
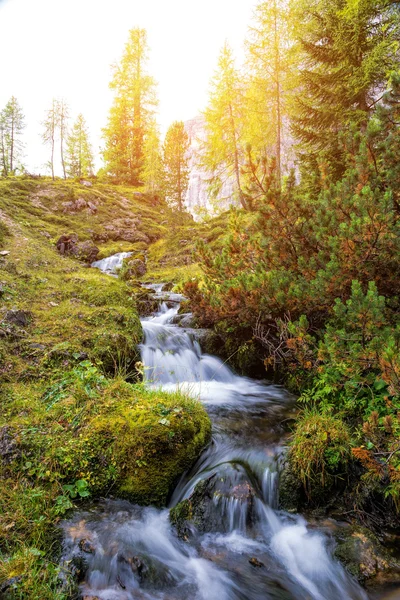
point(222, 152)
point(11, 127)
point(346, 49)
point(79, 154)
point(268, 62)
point(132, 113)
point(63, 116)
point(176, 164)
point(50, 129)
point(153, 170)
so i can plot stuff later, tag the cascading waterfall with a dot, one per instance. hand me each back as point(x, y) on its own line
point(111, 264)
point(138, 555)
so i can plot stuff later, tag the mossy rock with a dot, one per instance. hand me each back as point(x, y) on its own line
point(202, 509)
point(115, 436)
point(291, 492)
point(360, 551)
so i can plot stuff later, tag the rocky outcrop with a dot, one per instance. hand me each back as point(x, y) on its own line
point(69, 245)
point(79, 205)
point(122, 229)
point(197, 197)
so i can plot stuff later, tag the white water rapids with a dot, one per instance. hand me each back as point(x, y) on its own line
point(138, 553)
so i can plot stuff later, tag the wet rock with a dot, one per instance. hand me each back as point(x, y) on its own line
point(187, 320)
point(291, 493)
point(20, 318)
point(87, 546)
point(9, 450)
point(219, 503)
point(362, 554)
point(255, 562)
point(210, 342)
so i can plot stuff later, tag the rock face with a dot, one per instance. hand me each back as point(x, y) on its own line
point(197, 198)
point(69, 245)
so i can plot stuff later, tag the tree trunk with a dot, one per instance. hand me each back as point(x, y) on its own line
point(236, 159)
point(12, 145)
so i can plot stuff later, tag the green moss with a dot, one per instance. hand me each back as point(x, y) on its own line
point(4, 233)
point(320, 451)
point(109, 433)
point(75, 426)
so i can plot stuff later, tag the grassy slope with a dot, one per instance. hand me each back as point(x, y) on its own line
point(70, 424)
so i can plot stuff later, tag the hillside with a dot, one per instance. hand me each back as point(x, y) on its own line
point(76, 422)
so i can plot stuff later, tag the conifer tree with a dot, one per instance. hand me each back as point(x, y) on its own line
point(131, 115)
point(50, 129)
point(176, 164)
point(268, 62)
point(63, 116)
point(11, 128)
point(346, 48)
point(79, 159)
point(222, 152)
point(153, 171)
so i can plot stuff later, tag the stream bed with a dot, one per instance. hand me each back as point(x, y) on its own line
point(246, 548)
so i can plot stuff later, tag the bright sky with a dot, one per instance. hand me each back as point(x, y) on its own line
point(64, 48)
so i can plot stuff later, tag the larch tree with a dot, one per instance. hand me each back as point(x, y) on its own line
point(79, 154)
point(222, 151)
point(11, 146)
point(132, 113)
point(176, 164)
point(153, 169)
point(50, 125)
point(268, 64)
point(63, 116)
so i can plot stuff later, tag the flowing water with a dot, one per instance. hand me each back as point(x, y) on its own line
point(247, 549)
point(111, 264)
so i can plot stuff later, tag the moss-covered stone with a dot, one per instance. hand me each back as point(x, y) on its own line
point(108, 433)
point(362, 554)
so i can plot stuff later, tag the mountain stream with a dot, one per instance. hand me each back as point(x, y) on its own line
point(248, 550)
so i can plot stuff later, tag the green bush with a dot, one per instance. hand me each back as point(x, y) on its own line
point(320, 451)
